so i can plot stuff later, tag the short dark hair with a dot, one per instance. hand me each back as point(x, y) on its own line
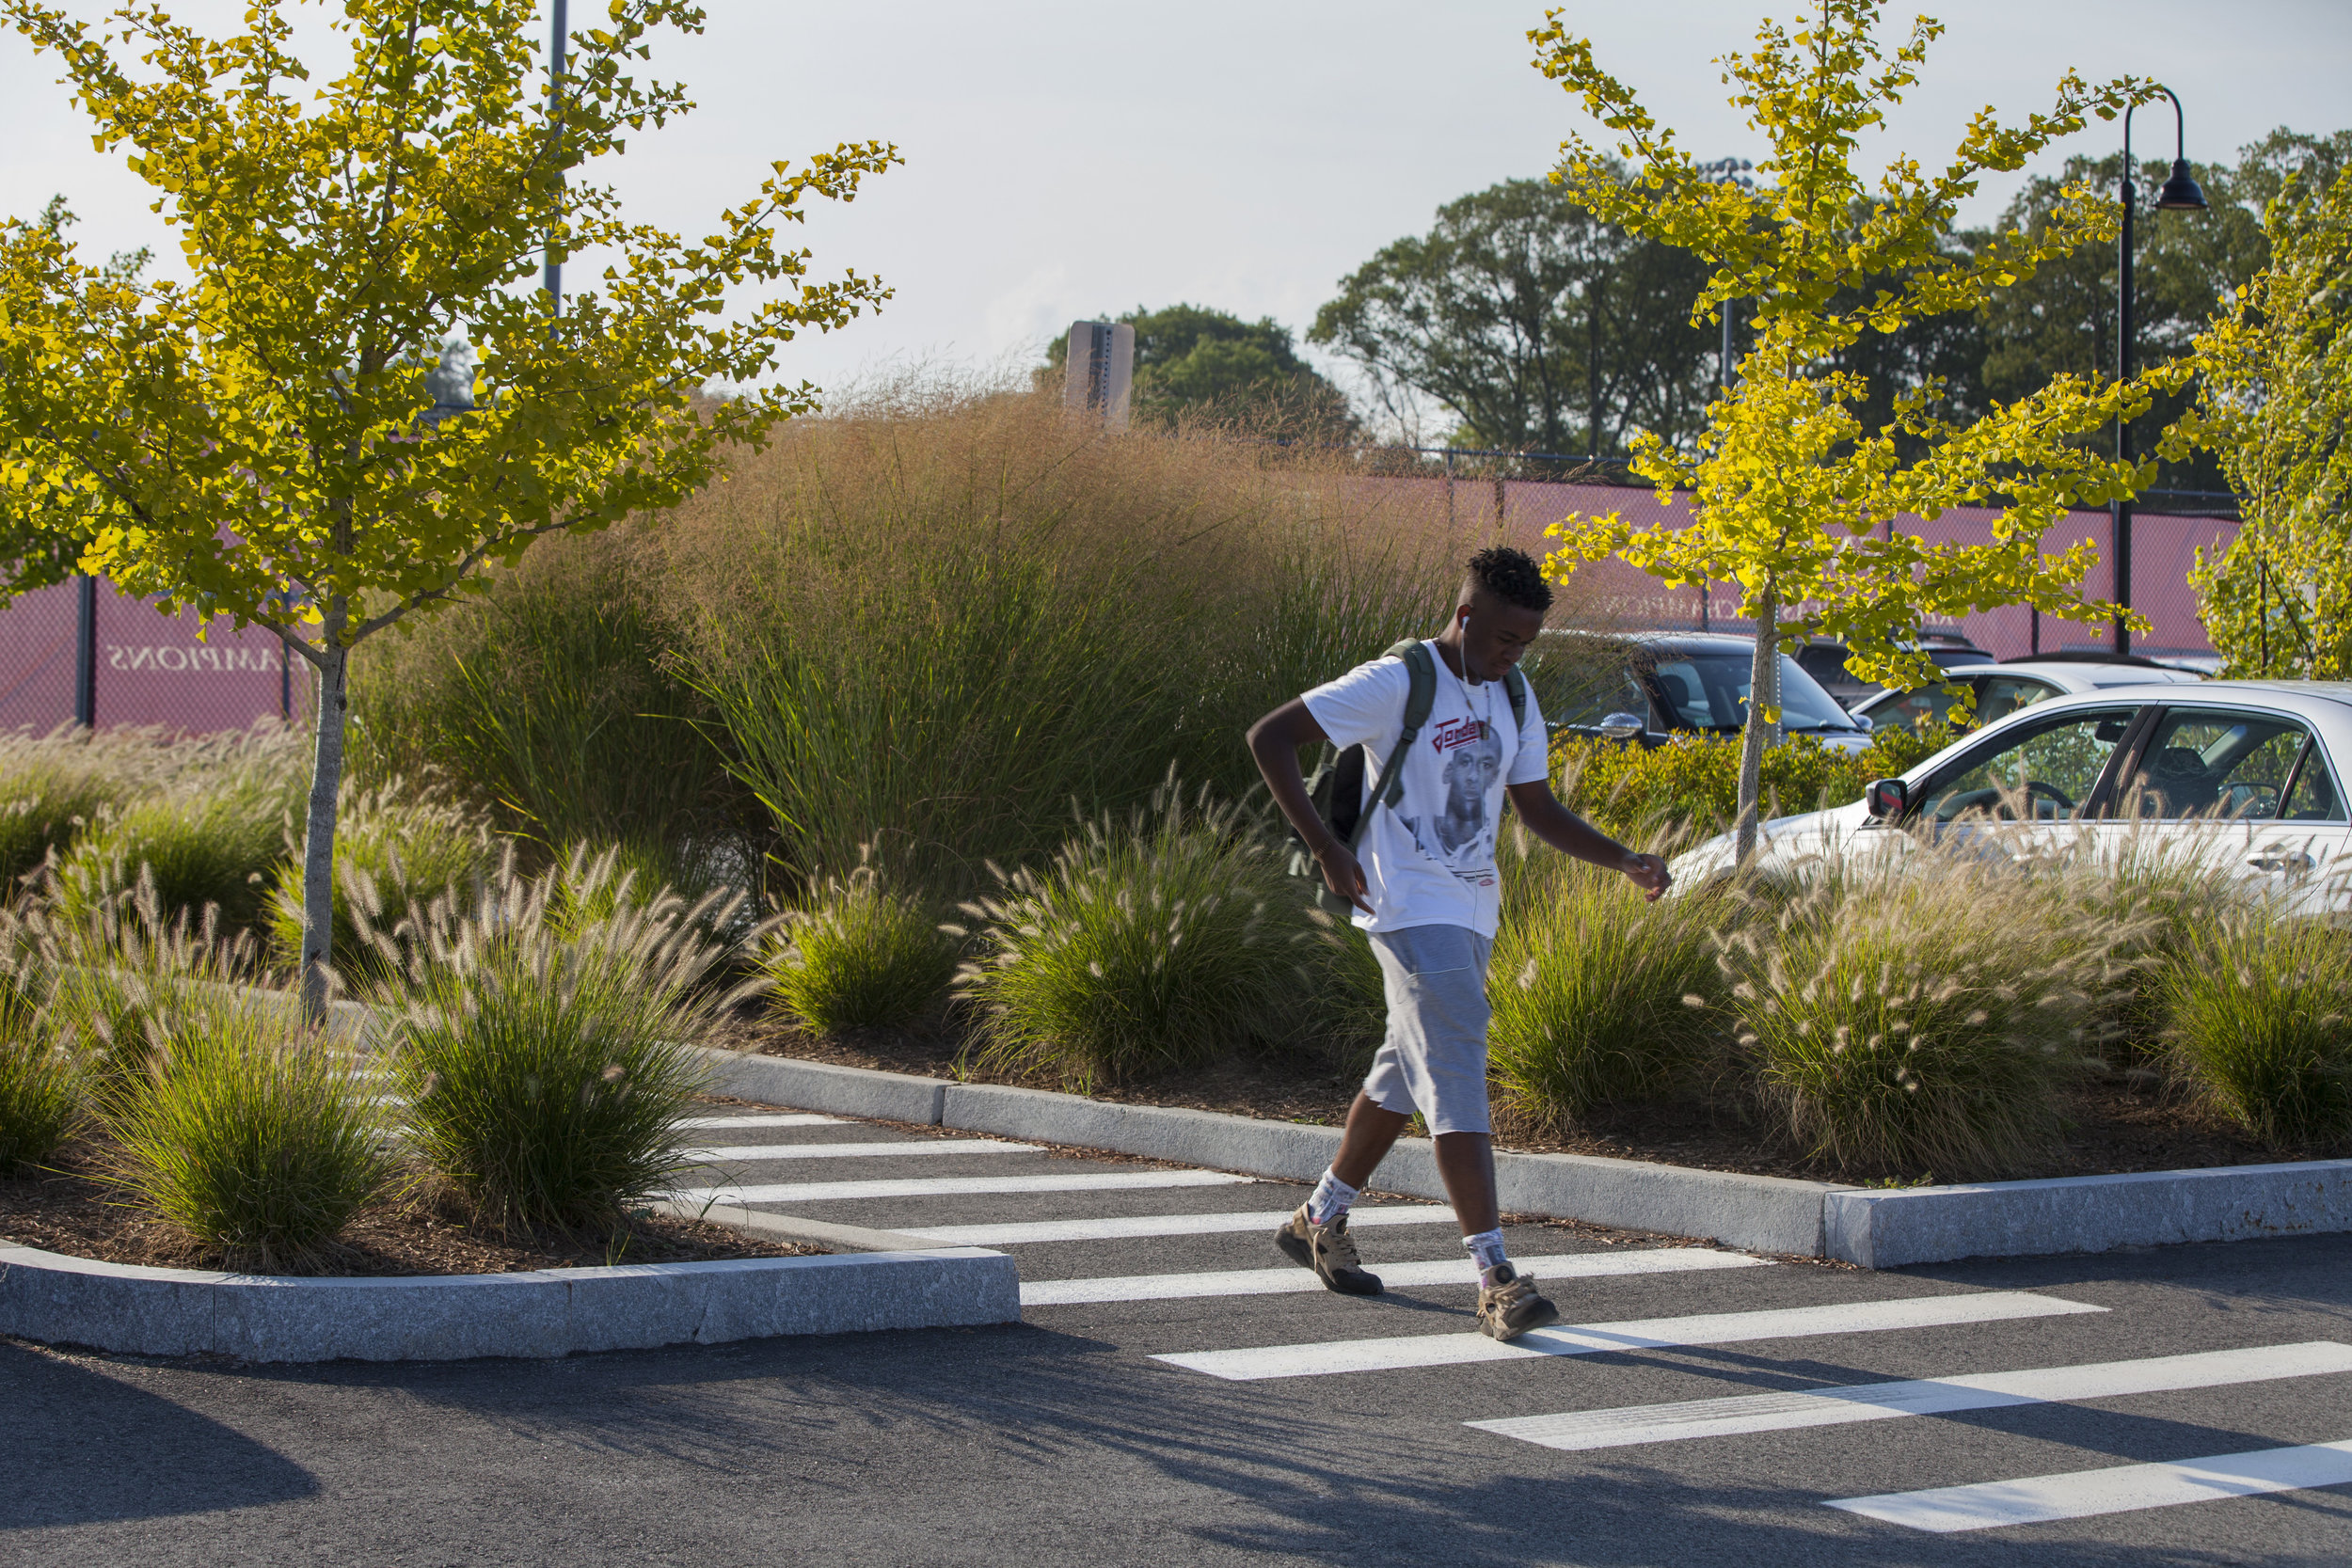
point(1511, 575)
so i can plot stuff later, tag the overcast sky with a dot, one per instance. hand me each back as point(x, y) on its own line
point(1065, 160)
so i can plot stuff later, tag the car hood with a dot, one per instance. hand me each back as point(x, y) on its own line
point(1811, 832)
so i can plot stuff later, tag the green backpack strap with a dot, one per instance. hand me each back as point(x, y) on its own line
point(1514, 686)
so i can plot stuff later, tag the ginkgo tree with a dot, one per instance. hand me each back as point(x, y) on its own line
point(251, 440)
point(1791, 495)
point(2278, 600)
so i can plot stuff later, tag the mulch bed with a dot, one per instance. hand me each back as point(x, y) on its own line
point(2116, 1126)
point(67, 1209)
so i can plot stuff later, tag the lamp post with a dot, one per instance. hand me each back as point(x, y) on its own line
point(1722, 171)
point(554, 280)
point(2180, 195)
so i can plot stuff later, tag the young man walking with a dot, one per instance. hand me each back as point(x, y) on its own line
point(1427, 891)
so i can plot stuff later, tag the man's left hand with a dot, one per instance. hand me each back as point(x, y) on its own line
point(1649, 874)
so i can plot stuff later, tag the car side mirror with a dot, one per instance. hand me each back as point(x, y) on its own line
point(1863, 721)
point(1887, 800)
point(1622, 726)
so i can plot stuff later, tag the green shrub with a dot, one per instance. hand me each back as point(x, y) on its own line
point(858, 956)
point(39, 1089)
point(2260, 1025)
point(1693, 781)
point(250, 1137)
point(1592, 988)
point(1148, 944)
point(391, 853)
point(1923, 1015)
point(544, 1069)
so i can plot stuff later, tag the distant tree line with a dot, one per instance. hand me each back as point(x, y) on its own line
point(1536, 327)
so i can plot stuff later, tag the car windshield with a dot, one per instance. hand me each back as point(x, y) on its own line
point(1710, 692)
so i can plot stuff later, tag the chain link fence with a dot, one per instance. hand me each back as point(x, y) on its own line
point(81, 652)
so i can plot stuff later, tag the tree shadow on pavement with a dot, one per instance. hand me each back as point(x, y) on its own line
point(85, 1447)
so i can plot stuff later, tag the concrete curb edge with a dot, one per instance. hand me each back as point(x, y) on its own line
point(1875, 1228)
point(134, 1309)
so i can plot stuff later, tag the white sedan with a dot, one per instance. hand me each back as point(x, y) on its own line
point(2263, 757)
point(2001, 689)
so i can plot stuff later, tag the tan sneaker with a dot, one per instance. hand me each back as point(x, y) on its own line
point(1328, 1249)
point(1510, 1307)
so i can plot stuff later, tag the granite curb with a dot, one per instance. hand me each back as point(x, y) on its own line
point(134, 1309)
point(1871, 1227)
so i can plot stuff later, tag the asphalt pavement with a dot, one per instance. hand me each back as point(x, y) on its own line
point(1180, 1395)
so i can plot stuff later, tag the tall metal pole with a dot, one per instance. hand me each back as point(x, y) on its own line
point(2120, 510)
point(558, 32)
point(85, 652)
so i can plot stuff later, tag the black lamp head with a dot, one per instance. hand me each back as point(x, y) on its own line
point(2180, 193)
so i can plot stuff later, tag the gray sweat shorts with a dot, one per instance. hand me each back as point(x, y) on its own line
point(1433, 1060)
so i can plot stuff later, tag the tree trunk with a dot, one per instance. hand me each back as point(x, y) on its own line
point(318, 854)
point(1763, 690)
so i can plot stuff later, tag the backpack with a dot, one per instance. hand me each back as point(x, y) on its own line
point(1337, 785)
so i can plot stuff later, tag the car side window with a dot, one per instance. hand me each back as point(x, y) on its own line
point(2042, 772)
point(1581, 687)
point(2315, 797)
point(2204, 762)
point(1998, 696)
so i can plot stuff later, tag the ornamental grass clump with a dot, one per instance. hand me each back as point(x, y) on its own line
point(212, 838)
point(393, 851)
point(250, 1135)
point(1149, 944)
point(857, 955)
point(2260, 1026)
point(545, 1067)
point(1924, 1014)
point(41, 1089)
point(51, 790)
point(1599, 994)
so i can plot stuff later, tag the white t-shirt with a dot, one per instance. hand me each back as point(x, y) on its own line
point(1430, 861)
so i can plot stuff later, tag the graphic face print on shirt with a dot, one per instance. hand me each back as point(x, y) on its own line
point(1460, 835)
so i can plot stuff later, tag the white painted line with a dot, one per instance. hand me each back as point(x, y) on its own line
point(1584, 1429)
point(1712, 1328)
point(2125, 1489)
point(1157, 1225)
point(718, 1153)
point(948, 1186)
point(779, 1119)
point(1286, 1278)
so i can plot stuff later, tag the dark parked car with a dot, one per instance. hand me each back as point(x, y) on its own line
point(1647, 686)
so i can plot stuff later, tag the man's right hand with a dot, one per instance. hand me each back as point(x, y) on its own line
point(1342, 875)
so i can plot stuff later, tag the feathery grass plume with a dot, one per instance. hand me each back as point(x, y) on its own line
point(117, 977)
point(857, 955)
point(51, 790)
point(1599, 994)
point(2259, 1007)
point(2166, 883)
point(1924, 1011)
point(212, 835)
point(249, 1134)
point(392, 851)
point(1155, 942)
point(546, 1064)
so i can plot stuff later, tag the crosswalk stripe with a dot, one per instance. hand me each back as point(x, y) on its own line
point(1584, 1429)
point(2124, 1489)
point(780, 1118)
point(1713, 1329)
point(1285, 1279)
point(946, 1186)
point(717, 1152)
point(1109, 1229)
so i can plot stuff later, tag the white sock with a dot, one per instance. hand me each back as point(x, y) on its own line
point(1486, 1250)
point(1330, 1198)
